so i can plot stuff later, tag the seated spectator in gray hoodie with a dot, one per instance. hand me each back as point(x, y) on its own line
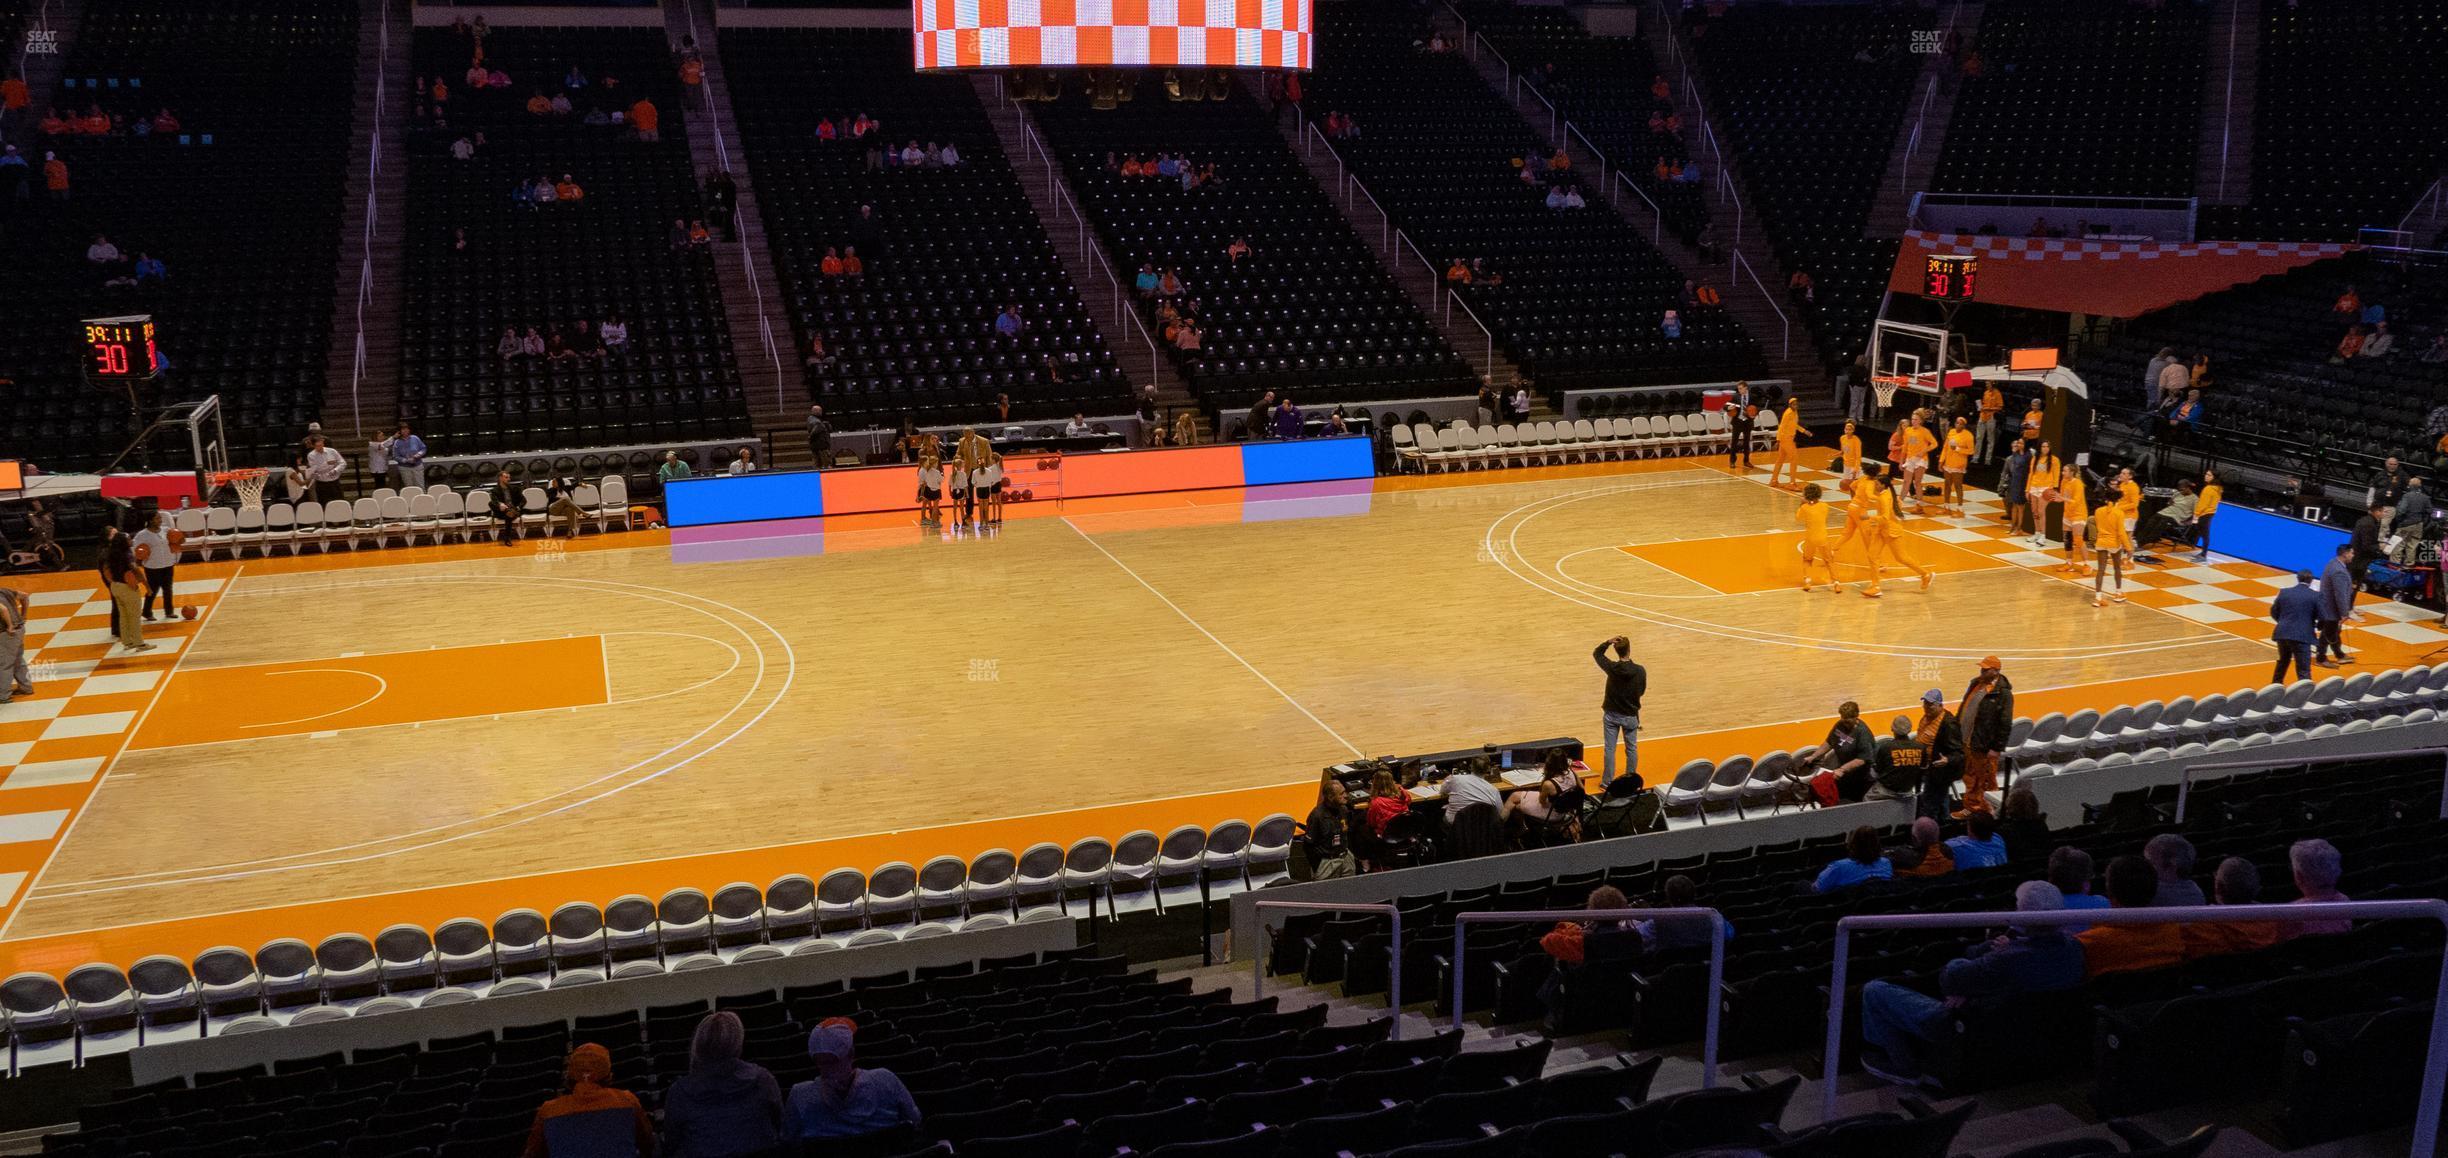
point(723, 1106)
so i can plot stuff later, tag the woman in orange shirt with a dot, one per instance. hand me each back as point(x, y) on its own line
point(1817, 558)
point(1953, 462)
point(1849, 449)
point(2115, 546)
point(2129, 499)
point(2046, 469)
point(1918, 443)
point(2204, 507)
point(2077, 524)
point(1788, 432)
point(1884, 535)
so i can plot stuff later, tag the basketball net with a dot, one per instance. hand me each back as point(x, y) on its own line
point(248, 483)
point(1883, 387)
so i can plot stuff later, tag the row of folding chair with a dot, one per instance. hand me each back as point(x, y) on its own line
point(379, 519)
point(1461, 445)
point(100, 1008)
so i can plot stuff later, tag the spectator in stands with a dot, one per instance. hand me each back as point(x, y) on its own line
point(1007, 323)
point(55, 178)
point(2132, 884)
point(1988, 719)
point(1559, 161)
point(1078, 427)
point(2237, 882)
point(744, 462)
point(102, 252)
point(1555, 196)
point(592, 1120)
point(2020, 823)
point(1898, 1022)
point(2348, 347)
point(1290, 423)
point(2296, 615)
point(911, 155)
point(1667, 934)
point(2069, 869)
point(1845, 757)
point(1170, 285)
point(2317, 867)
point(1573, 942)
point(539, 105)
point(2381, 343)
point(2171, 860)
point(818, 357)
point(296, 482)
point(1979, 846)
point(1896, 771)
point(671, 468)
point(831, 266)
point(615, 334)
point(1552, 808)
point(1144, 283)
point(2434, 354)
point(15, 174)
point(557, 348)
point(1326, 834)
point(532, 344)
point(1927, 856)
point(567, 190)
point(1671, 325)
point(407, 454)
point(2151, 380)
point(701, 239)
point(720, 1107)
point(1800, 288)
point(585, 342)
point(2348, 305)
point(1387, 800)
point(1940, 734)
point(1256, 423)
point(678, 238)
point(844, 1101)
point(1862, 861)
point(951, 156)
point(1573, 199)
point(150, 270)
point(646, 120)
point(1237, 250)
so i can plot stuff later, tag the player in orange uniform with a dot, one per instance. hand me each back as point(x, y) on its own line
point(2204, 507)
point(1953, 461)
point(1817, 556)
point(2046, 470)
point(2077, 514)
point(1849, 450)
point(1884, 536)
point(1918, 443)
point(1788, 431)
point(2115, 542)
point(1857, 508)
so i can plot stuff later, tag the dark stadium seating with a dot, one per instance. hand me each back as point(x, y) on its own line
point(243, 205)
point(915, 336)
point(2346, 120)
point(1602, 85)
point(1583, 291)
point(560, 264)
point(2269, 344)
point(1310, 313)
point(1813, 124)
point(2080, 97)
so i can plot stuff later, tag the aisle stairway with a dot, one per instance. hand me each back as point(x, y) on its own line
point(770, 370)
point(1787, 344)
point(1922, 136)
point(361, 397)
point(2224, 170)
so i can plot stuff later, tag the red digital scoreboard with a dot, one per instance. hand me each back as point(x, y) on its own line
point(1950, 276)
point(120, 349)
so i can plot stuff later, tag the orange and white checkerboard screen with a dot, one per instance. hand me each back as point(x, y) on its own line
point(1099, 33)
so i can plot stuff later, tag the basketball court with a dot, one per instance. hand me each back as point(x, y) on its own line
point(415, 734)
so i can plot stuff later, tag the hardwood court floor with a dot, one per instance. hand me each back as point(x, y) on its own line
point(419, 734)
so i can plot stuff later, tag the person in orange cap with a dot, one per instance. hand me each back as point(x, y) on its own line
point(592, 1119)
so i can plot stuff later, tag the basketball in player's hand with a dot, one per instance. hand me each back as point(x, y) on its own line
point(178, 541)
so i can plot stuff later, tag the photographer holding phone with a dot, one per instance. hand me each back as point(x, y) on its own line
point(1626, 682)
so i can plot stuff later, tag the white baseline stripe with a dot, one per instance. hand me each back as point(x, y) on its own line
point(1211, 638)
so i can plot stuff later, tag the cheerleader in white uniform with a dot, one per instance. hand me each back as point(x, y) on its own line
point(930, 489)
point(989, 483)
point(962, 511)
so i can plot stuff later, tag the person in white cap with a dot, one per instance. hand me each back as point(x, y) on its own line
point(844, 1101)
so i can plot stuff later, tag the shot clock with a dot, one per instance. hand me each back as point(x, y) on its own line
point(1950, 276)
point(120, 350)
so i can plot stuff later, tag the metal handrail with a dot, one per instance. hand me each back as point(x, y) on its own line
point(722, 163)
point(1716, 974)
point(2184, 787)
point(2435, 1064)
point(1436, 277)
point(1784, 325)
point(1657, 235)
point(2235, 18)
point(1386, 239)
point(2434, 196)
point(365, 264)
point(1479, 38)
point(1455, 299)
point(1574, 133)
point(1912, 144)
point(1554, 117)
point(1394, 982)
point(1310, 131)
point(1130, 318)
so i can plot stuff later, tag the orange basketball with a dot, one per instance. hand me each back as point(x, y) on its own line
point(178, 541)
point(186, 612)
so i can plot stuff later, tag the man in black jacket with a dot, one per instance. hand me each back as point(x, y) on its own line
point(1626, 682)
point(2370, 533)
point(505, 504)
point(1988, 718)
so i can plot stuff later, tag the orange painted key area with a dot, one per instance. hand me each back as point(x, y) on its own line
point(257, 701)
point(1740, 564)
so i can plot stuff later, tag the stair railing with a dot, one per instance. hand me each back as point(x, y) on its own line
point(1657, 232)
point(1742, 266)
point(373, 215)
point(2435, 1064)
point(1716, 971)
point(1488, 369)
point(1258, 960)
point(722, 163)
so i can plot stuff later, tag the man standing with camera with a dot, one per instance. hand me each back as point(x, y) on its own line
point(1626, 682)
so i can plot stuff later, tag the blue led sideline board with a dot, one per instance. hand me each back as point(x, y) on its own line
point(1308, 460)
point(2274, 540)
point(726, 498)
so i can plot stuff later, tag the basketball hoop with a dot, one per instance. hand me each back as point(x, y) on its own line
point(1883, 387)
point(249, 483)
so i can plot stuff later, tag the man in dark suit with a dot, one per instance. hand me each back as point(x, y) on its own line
point(2368, 540)
point(505, 503)
point(2337, 596)
point(2296, 611)
point(1740, 411)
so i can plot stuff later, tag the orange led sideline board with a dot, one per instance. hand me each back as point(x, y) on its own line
point(2032, 360)
point(12, 476)
point(1120, 33)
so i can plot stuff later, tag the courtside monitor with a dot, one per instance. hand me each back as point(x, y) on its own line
point(1112, 33)
point(2031, 360)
